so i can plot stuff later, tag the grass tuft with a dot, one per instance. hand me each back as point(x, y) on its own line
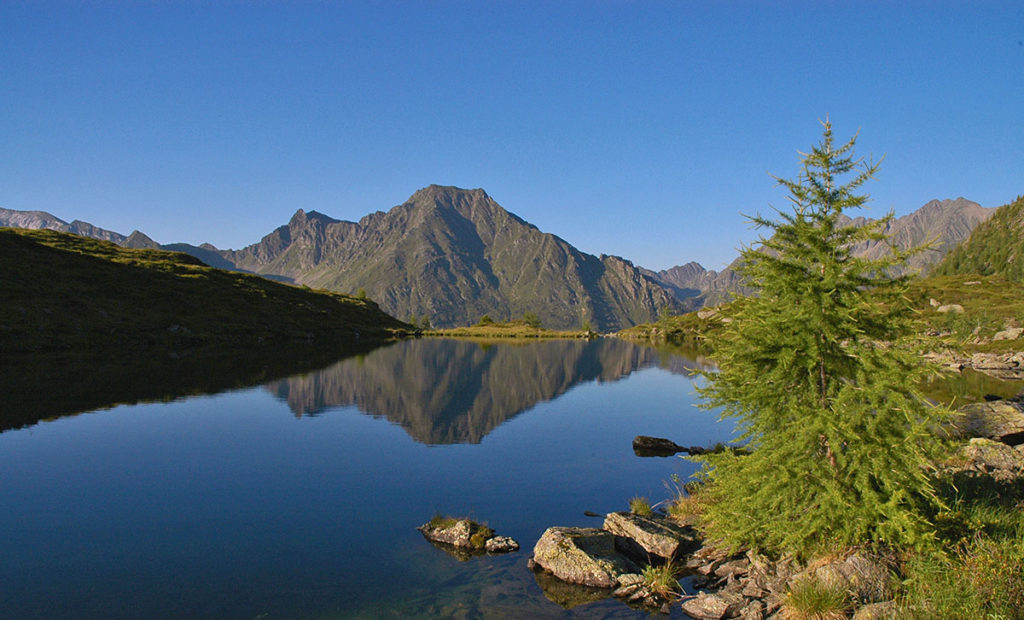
point(663, 580)
point(640, 506)
point(814, 599)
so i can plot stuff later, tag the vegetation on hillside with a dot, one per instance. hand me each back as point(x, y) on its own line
point(64, 292)
point(995, 247)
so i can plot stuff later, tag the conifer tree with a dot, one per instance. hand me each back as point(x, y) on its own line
point(810, 370)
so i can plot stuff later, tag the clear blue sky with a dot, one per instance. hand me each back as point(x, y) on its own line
point(642, 129)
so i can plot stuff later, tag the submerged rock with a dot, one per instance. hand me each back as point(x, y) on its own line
point(643, 536)
point(582, 555)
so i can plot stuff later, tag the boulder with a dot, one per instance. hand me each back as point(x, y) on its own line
point(655, 446)
point(876, 611)
point(582, 555)
point(643, 536)
point(998, 460)
point(954, 308)
point(867, 578)
point(501, 544)
point(1011, 333)
point(999, 420)
point(466, 534)
point(712, 606)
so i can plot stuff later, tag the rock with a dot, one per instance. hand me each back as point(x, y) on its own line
point(585, 556)
point(707, 313)
point(753, 611)
point(655, 446)
point(933, 303)
point(466, 534)
point(876, 611)
point(647, 535)
point(1011, 333)
point(866, 577)
point(999, 420)
point(735, 568)
point(501, 544)
point(954, 308)
point(567, 595)
point(984, 456)
point(705, 606)
point(462, 533)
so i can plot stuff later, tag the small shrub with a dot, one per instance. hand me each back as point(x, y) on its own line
point(486, 320)
point(640, 506)
point(813, 599)
point(480, 537)
point(662, 580)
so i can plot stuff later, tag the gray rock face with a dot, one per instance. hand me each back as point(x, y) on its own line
point(646, 536)
point(998, 420)
point(585, 556)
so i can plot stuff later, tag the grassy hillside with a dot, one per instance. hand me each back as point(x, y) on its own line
point(60, 291)
point(995, 247)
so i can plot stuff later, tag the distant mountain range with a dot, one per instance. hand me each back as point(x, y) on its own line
point(943, 223)
point(453, 255)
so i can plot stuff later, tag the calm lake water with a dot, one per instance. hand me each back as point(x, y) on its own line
point(300, 497)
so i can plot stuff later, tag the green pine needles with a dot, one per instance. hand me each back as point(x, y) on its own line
point(810, 371)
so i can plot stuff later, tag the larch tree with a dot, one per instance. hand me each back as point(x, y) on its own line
point(811, 371)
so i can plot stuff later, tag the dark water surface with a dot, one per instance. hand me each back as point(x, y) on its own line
point(300, 497)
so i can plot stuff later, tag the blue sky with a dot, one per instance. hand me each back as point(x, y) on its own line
point(641, 129)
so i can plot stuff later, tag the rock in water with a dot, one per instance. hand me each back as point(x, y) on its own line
point(582, 555)
point(466, 534)
point(999, 420)
point(655, 446)
point(501, 544)
point(643, 536)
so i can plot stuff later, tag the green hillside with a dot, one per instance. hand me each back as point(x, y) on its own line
point(63, 292)
point(995, 247)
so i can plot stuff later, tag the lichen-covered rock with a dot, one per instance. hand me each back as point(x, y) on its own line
point(461, 533)
point(501, 544)
point(867, 578)
point(585, 556)
point(984, 456)
point(999, 420)
point(876, 611)
point(647, 535)
point(713, 606)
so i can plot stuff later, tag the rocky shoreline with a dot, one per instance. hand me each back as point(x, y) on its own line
point(745, 584)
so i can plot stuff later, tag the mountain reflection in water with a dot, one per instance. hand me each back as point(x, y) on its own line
point(457, 391)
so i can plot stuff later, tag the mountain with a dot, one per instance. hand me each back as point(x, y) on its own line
point(942, 223)
point(36, 220)
point(454, 255)
point(995, 247)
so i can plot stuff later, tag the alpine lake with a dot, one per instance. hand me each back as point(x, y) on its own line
point(243, 488)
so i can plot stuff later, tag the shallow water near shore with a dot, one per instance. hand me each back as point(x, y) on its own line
point(300, 497)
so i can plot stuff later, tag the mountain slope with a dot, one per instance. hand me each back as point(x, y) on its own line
point(63, 291)
point(995, 247)
point(454, 255)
